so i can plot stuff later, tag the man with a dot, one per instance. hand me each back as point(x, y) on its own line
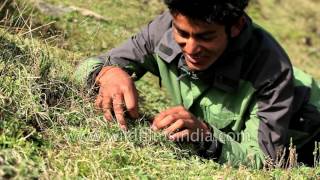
point(228, 77)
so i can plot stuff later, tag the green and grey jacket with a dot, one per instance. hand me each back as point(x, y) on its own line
point(252, 97)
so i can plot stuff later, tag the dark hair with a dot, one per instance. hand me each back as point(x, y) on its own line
point(225, 12)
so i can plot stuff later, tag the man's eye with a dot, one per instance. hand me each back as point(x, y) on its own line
point(206, 38)
point(183, 34)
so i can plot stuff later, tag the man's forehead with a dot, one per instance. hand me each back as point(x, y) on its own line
point(199, 30)
point(192, 20)
point(185, 24)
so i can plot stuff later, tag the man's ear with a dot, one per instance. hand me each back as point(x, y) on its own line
point(238, 26)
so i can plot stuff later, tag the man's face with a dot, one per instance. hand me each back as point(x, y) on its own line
point(202, 43)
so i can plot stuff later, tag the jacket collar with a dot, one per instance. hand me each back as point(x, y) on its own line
point(225, 73)
point(167, 48)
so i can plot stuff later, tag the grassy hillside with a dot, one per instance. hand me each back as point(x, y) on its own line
point(296, 25)
point(49, 128)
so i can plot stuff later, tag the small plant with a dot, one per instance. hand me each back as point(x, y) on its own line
point(285, 158)
point(316, 154)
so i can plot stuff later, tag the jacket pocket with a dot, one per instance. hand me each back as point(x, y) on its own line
point(217, 115)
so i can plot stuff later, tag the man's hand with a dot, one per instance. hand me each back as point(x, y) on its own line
point(179, 124)
point(117, 94)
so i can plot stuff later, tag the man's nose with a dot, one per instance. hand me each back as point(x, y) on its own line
point(192, 46)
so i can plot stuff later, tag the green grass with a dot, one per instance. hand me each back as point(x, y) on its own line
point(291, 22)
point(48, 125)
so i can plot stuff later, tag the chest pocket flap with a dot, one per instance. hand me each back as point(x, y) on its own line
point(216, 113)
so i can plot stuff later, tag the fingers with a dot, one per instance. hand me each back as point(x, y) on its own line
point(179, 124)
point(168, 120)
point(184, 129)
point(98, 102)
point(107, 114)
point(167, 117)
point(117, 95)
point(131, 102)
point(118, 104)
point(181, 135)
point(175, 127)
point(118, 108)
point(108, 104)
point(162, 123)
point(105, 106)
point(165, 113)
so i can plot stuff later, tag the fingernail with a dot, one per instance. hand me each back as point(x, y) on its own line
point(124, 128)
point(171, 138)
point(154, 128)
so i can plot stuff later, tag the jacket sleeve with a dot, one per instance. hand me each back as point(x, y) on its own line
point(274, 96)
point(246, 147)
point(235, 148)
point(135, 55)
point(241, 148)
point(265, 129)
